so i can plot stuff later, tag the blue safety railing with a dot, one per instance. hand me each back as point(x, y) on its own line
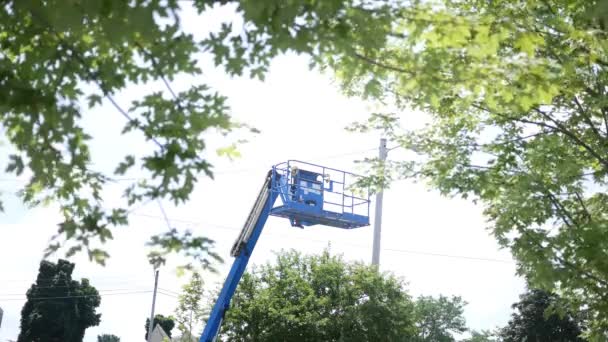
point(340, 206)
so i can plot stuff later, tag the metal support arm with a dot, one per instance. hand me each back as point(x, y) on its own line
point(242, 250)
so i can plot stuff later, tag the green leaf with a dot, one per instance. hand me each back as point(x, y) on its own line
point(94, 99)
point(229, 151)
point(15, 164)
point(527, 42)
point(125, 165)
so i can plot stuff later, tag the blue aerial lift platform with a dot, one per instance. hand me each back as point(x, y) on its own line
point(309, 194)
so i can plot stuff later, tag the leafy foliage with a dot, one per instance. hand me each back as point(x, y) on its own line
point(535, 319)
point(53, 70)
point(57, 307)
point(108, 338)
point(318, 298)
point(166, 322)
point(60, 58)
point(190, 311)
point(438, 319)
point(483, 336)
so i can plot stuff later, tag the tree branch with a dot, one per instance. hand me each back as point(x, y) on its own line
point(587, 119)
point(559, 125)
point(522, 120)
point(382, 65)
point(605, 112)
point(582, 203)
point(94, 76)
point(561, 210)
point(563, 261)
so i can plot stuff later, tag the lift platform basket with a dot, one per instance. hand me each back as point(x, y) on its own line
point(313, 194)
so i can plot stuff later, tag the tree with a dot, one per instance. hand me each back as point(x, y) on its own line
point(483, 336)
point(439, 319)
point(108, 338)
point(166, 322)
point(57, 307)
point(318, 298)
point(57, 70)
point(190, 310)
point(534, 320)
point(54, 69)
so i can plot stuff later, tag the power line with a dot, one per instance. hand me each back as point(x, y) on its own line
point(167, 294)
point(40, 287)
point(198, 223)
point(221, 172)
point(162, 210)
point(68, 286)
point(170, 291)
point(124, 280)
point(93, 75)
point(397, 250)
point(120, 277)
point(448, 255)
point(80, 296)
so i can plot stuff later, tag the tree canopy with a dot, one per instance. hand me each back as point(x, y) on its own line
point(439, 319)
point(57, 307)
point(481, 336)
point(517, 120)
point(537, 318)
point(54, 71)
point(318, 298)
point(108, 338)
point(60, 59)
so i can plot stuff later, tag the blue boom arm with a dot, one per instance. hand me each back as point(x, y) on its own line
point(308, 198)
point(242, 249)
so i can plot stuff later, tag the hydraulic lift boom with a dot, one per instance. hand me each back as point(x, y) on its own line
point(241, 250)
point(310, 195)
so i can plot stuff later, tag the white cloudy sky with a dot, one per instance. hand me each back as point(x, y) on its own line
point(302, 116)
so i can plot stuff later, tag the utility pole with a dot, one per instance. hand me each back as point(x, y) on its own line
point(190, 326)
point(378, 214)
point(151, 326)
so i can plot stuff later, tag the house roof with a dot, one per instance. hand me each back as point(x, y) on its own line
point(159, 334)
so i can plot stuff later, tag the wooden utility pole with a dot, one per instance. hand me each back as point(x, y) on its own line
point(151, 325)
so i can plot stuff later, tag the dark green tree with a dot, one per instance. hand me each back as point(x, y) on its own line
point(58, 309)
point(319, 298)
point(166, 322)
point(108, 338)
point(438, 319)
point(533, 320)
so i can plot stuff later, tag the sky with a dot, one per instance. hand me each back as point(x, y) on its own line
point(437, 244)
